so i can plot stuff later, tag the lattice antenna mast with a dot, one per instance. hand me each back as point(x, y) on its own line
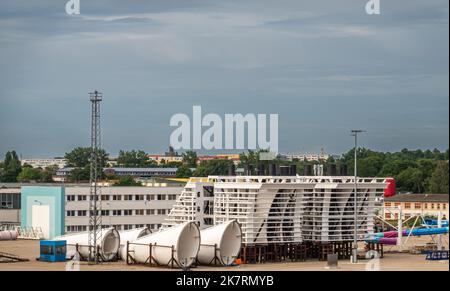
point(95, 218)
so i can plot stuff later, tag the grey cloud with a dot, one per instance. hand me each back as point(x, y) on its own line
point(324, 66)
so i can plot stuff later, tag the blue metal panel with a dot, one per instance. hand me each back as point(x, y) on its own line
point(53, 251)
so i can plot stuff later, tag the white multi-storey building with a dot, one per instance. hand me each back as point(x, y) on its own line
point(274, 209)
point(122, 207)
point(44, 163)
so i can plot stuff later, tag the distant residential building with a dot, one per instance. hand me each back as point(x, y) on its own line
point(142, 172)
point(44, 163)
point(168, 157)
point(232, 157)
point(307, 157)
point(63, 174)
point(415, 204)
point(163, 159)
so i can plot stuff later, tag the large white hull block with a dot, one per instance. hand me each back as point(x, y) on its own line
point(130, 236)
point(180, 243)
point(221, 242)
point(108, 244)
point(282, 209)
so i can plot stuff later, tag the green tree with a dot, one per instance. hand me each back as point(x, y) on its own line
point(370, 166)
point(171, 164)
point(11, 167)
point(249, 158)
point(184, 172)
point(80, 174)
point(79, 158)
point(47, 174)
point(213, 167)
point(439, 179)
point(137, 159)
point(29, 174)
point(127, 181)
point(411, 180)
point(190, 159)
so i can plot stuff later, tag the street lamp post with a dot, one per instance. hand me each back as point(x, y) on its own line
point(355, 201)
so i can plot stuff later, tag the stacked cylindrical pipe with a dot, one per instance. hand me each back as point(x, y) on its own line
point(9, 234)
point(108, 245)
point(184, 244)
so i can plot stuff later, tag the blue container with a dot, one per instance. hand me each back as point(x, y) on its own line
point(53, 251)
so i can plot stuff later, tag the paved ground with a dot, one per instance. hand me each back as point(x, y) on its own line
point(393, 261)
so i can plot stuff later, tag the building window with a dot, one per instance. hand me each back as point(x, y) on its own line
point(425, 205)
point(150, 197)
point(172, 197)
point(417, 205)
point(161, 197)
point(117, 212)
point(70, 213)
point(407, 205)
point(150, 212)
point(117, 197)
point(161, 212)
point(444, 206)
point(397, 204)
point(128, 197)
point(432, 205)
point(81, 197)
point(105, 212)
point(438, 206)
point(138, 197)
point(82, 212)
point(127, 212)
point(139, 212)
point(387, 204)
point(105, 197)
point(71, 198)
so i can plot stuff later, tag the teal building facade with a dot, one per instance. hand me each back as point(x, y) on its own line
point(44, 207)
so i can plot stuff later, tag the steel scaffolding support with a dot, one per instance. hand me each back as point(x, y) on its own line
point(95, 218)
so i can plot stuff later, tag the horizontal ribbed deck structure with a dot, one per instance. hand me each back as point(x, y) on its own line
point(282, 209)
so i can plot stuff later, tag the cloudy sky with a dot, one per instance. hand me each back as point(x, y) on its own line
point(324, 66)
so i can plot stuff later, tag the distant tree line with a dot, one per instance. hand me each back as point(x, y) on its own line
point(12, 171)
point(415, 171)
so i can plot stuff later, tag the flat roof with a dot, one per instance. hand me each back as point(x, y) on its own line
point(418, 198)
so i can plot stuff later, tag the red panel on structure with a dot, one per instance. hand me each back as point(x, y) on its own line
point(390, 188)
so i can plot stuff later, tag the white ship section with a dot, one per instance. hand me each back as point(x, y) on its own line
point(281, 209)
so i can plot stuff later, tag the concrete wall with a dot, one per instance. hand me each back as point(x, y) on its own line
point(10, 216)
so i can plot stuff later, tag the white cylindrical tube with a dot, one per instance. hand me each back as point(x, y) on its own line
point(220, 244)
point(180, 243)
point(130, 236)
point(8, 234)
point(108, 244)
